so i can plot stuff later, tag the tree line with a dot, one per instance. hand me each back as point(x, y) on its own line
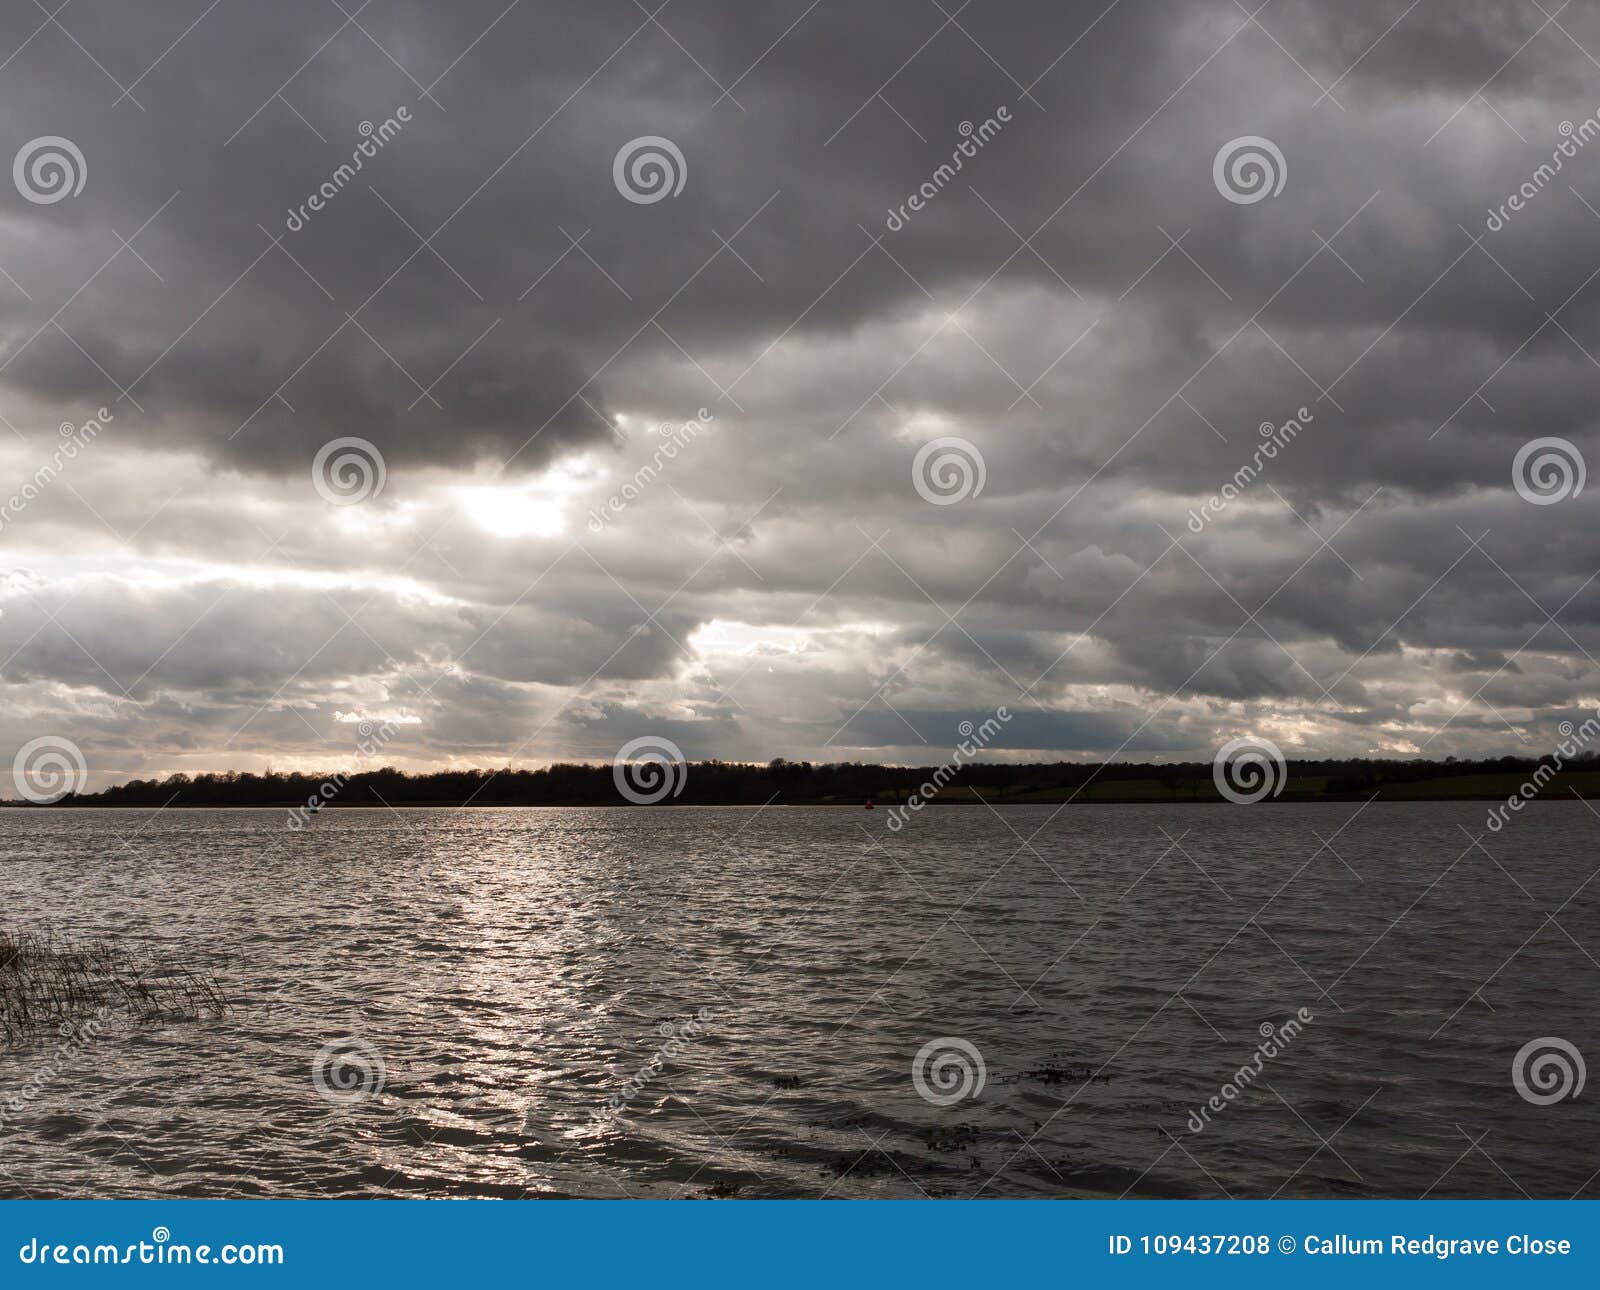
point(783, 781)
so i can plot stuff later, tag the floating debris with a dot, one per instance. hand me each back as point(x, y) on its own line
point(955, 1137)
point(1071, 1073)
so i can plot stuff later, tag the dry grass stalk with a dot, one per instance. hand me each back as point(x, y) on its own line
point(48, 981)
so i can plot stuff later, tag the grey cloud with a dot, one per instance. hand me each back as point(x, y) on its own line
point(777, 577)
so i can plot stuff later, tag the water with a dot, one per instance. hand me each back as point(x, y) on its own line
point(514, 970)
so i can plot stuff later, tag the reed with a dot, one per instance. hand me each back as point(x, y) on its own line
point(47, 981)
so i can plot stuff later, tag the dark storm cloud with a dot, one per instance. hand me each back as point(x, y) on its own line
point(1455, 48)
point(497, 174)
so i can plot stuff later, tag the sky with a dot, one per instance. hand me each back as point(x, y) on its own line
point(804, 379)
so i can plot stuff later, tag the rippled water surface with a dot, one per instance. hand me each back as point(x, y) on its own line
point(520, 973)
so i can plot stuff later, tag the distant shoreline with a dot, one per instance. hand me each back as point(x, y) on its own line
point(851, 785)
point(878, 803)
